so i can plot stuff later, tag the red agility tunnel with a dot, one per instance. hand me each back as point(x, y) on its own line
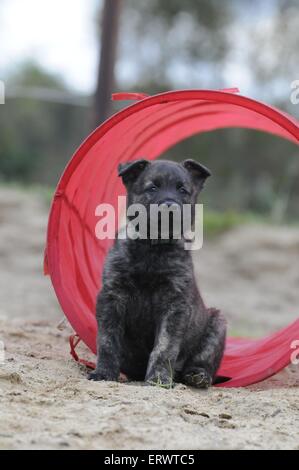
point(74, 256)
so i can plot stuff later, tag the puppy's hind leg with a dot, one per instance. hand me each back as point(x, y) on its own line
point(201, 367)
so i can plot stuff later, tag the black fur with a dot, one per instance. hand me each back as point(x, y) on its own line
point(152, 322)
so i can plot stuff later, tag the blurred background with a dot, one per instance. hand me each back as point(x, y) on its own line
point(60, 61)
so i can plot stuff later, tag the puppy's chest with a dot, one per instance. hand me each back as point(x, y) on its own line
point(151, 274)
point(147, 291)
point(151, 283)
point(141, 311)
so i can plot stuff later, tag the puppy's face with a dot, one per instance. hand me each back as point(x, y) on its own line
point(163, 183)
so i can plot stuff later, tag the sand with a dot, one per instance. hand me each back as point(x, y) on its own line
point(46, 402)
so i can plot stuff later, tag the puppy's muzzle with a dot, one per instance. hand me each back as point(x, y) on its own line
point(169, 203)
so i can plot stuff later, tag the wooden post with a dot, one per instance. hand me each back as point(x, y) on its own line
point(106, 79)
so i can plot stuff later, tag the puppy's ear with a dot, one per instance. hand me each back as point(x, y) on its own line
point(130, 171)
point(199, 173)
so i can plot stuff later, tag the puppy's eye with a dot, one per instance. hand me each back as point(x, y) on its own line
point(152, 189)
point(183, 190)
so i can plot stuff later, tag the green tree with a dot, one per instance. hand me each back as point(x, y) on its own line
point(37, 136)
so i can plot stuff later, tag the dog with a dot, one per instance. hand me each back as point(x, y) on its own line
point(153, 325)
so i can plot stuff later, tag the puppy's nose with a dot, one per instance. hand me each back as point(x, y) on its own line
point(169, 203)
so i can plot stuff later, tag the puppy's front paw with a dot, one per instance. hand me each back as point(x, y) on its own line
point(99, 374)
point(160, 380)
point(198, 378)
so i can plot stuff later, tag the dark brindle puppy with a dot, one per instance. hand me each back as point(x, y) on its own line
point(152, 322)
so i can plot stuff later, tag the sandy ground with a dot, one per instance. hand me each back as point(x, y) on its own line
point(251, 273)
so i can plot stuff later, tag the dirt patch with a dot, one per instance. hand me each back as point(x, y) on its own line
point(24, 291)
point(46, 402)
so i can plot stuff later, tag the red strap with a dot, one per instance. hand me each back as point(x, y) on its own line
point(74, 341)
point(129, 96)
point(230, 90)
